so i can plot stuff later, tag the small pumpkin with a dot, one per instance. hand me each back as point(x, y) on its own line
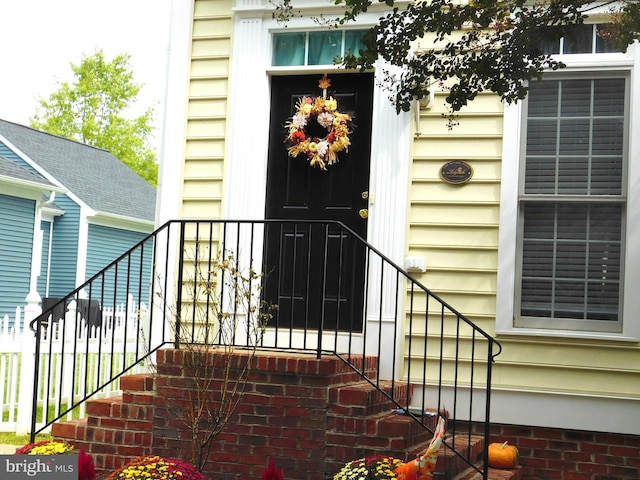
point(503, 455)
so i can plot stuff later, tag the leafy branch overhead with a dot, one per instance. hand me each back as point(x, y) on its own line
point(92, 110)
point(474, 46)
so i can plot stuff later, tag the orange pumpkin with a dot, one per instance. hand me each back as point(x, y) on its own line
point(502, 455)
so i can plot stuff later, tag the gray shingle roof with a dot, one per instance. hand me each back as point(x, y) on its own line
point(96, 176)
point(12, 170)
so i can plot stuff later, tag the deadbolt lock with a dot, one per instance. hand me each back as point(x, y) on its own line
point(364, 213)
point(364, 195)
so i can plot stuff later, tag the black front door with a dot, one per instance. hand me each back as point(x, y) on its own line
point(315, 272)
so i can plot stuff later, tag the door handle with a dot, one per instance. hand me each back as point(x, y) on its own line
point(364, 213)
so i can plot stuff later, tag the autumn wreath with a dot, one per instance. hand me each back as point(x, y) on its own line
point(323, 111)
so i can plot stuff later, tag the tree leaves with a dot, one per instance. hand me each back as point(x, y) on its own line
point(92, 110)
point(474, 46)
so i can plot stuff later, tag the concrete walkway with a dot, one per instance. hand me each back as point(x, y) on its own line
point(5, 449)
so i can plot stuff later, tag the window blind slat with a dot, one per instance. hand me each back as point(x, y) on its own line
point(568, 250)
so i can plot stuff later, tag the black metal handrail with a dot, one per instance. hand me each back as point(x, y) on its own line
point(335, 294)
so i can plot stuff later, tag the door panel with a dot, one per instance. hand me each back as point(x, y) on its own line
point(304, 260)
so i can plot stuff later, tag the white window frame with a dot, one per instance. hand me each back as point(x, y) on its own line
point(627, 63)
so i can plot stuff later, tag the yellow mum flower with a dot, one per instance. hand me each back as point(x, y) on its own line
point(306, 108)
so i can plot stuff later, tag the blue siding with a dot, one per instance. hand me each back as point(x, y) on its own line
point(105, 245)
point(64, 250)
point(16, 244)
point(9, 154)
point(42, 279)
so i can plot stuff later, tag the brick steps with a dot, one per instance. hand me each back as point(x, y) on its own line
point(314, 415)
point(452, 467)
point(494, 474)
point(116, 429)
point(360, 407)
point(361, 423)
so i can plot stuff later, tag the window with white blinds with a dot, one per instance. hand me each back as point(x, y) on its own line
point(572, 205)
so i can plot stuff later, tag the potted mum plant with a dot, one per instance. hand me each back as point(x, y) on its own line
point(152, 467)
point(86, 468)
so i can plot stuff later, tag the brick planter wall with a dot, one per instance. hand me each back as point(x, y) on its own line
point(311, 416)
point(284, 415)
point(557, 454)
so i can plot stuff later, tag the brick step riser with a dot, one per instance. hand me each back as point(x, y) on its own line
point(116, 428)
point(494, 474)
point(363, 399)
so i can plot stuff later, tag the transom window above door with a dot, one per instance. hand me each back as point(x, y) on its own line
point(314, 48)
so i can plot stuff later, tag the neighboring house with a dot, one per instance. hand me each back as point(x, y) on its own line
point(67, 211)
point(539, 248)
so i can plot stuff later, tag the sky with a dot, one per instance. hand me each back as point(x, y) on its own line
point(39, 39)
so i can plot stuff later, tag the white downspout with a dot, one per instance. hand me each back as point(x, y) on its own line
point(31, 311)
point(33, 298)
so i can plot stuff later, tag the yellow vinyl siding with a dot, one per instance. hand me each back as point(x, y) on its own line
point(207, 207)
point(571, 366)
point(205, 127)
point(201, 147)
point(200, 169)
point(203, 109)
point(207, 109)
point(445, 259)
point(209, 68)
point(566, 379)
point(482, 214)
point(488, 170)
point(435, 190)
point(209, 88)
point(455, 227)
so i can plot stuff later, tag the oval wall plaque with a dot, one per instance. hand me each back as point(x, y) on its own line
point(456, 172)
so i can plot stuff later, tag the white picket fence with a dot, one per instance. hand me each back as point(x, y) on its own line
point(114, 347)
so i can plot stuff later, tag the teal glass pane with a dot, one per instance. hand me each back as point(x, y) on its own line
point(353, 41)
point(324, 47)
point(288, 49)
